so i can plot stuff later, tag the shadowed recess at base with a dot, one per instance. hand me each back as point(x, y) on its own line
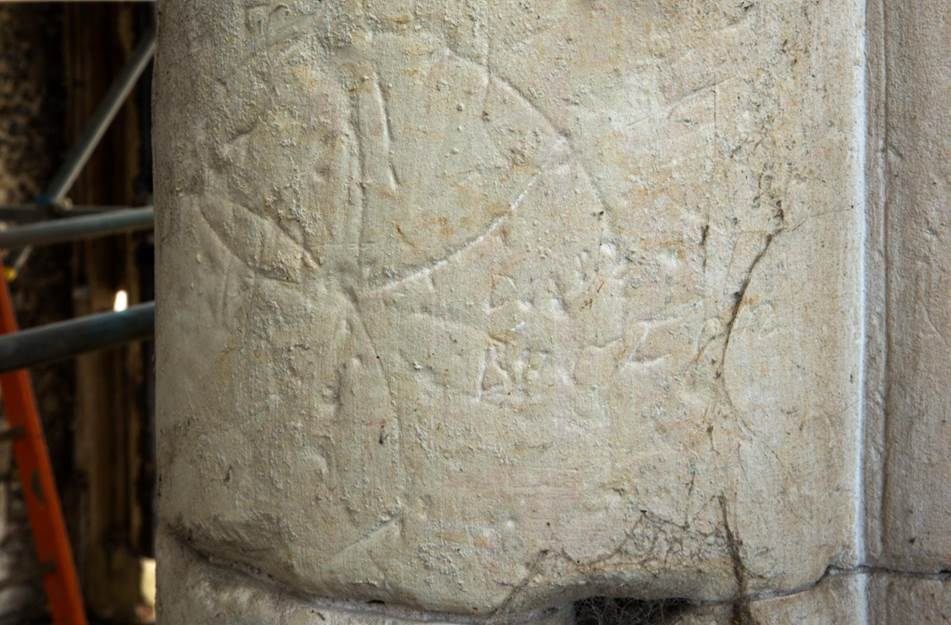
point(626, 611)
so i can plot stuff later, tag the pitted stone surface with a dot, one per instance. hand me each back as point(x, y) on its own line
point(479, 307)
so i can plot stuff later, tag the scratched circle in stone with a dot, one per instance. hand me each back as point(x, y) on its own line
point(402, 155)
point(441, 302)
point(446, 157)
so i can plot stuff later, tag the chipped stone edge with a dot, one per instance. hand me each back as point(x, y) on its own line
point(233, 575)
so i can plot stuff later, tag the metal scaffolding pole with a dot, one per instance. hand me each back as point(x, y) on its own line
point(78, 228)
point(26, 213)
point(68, 1)
point(65, 339)
point(80, 152)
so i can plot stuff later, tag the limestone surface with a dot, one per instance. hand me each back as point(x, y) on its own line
point(909, 451)
point(217, 594)
point(835, 600)
point(918, 599)
point(481, 307)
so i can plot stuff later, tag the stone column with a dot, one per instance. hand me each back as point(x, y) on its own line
point(471, 309)
point(908, 459)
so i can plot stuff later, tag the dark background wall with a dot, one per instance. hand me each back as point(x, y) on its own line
point(32, 125)
point(56, 62)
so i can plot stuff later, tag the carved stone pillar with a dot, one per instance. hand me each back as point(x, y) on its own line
point(473, 309)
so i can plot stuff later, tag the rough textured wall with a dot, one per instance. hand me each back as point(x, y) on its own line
point(31, 126)
point(478, 308)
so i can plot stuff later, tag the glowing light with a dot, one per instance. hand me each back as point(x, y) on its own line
point(122, 301)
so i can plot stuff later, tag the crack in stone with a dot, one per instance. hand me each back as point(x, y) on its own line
point(740, 608)
point(244, 574)
point(534, 567)
point(248, 574)
point(739, 296)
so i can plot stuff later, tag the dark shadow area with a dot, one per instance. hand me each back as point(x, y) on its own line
point(627, 611)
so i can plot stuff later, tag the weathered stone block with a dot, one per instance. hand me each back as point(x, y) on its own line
point(482, 310)
point(479, 308)
point(899, 599)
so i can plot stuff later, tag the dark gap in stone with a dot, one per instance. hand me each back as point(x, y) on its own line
point(628, 611)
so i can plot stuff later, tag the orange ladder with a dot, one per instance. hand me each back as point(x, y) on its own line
point(32, 458)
